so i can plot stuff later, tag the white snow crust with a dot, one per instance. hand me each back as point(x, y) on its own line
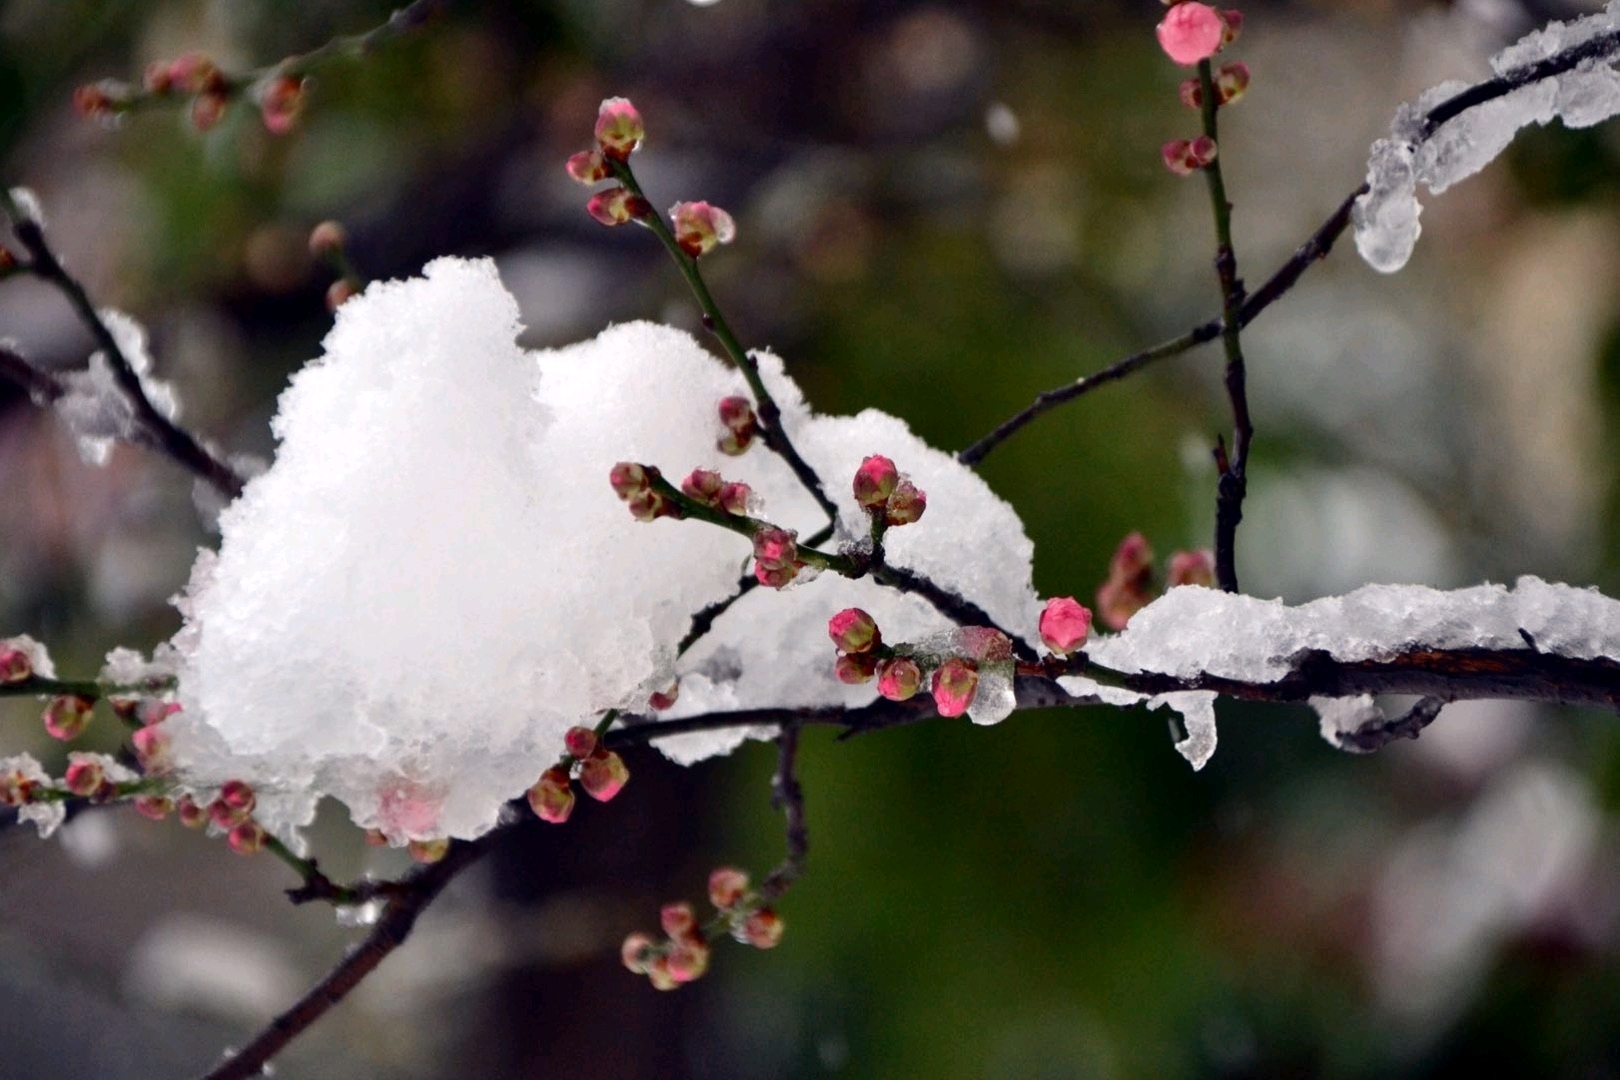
point(1386, 217)
point(96, 409)
point(434, 580)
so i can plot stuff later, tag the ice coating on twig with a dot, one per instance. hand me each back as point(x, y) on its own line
point(1197, 709)
point(94, 406)
point(1386, 217)
point(1345, 715)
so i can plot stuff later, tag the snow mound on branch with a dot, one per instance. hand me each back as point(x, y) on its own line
point(1386, 217)
point(435, 580)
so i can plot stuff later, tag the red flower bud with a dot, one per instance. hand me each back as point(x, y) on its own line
point(856, 668)
point(704, 486)
point(615, 206)
point(156, 807)
point(246, 838)
point(1191, 32)
point(552, 796)
point(280, 101)
point(603, 775)
point(727, 886)
point(776, 548)
point(899, 678)
point(700, 228)
point(1185, 158)
point(735, 498)
point(580, 741)
point(327, 239)
point(906, 505)
point(875, 481)
point(152, 748)
point(660, 700)
point(588, 167)
point(955, 683)
point(763, 929)
point(628, 479)
point(1191, 568)
point(15, 665)
point(191, 815)
point(84, 774)
point(637, 952)
point(67, 715)
point(678, 921)
point(1065, 623)
point(619, 128)
point(853, 630)
point(1231, 81)
point(687, 961)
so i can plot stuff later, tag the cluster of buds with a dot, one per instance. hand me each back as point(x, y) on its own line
point(619, 131)
point(196, 76)
point(1191, 33)
point(329, 242)
point(737, 415)
point(888, 497)
point(684, 953)
point(717, 493)
point(634, 485)
point(230, 812)
point(900, 672)
point(776, 556)
point(1065, 625)
point(1130, 585)
point(601, 772)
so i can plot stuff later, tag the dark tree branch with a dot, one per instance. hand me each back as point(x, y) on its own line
point(1377, 734)
point(41, 386)
point(788, 796)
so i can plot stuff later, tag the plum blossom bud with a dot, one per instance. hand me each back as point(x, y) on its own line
point(875, 481)
point(93, 101)
point(1231, 26)
point(727, 886)
point(280, 101)
point(615, 206)
point(246, 838)
point(327, 239)
point(853, 630)
point(660, 700)
point(637, 952)
point(552, 796)
point(338, 292)
point(652, 505)
point(588, 167)
point(191, 815)
point(1191, 32)
point(906, 505)
point(659, 975)
point(776, 556)
point(194, 72)
point(700, 228)
point(619, 128)
point(238, 795)
point(156, 807)
point(703, 485)
point(603, 775)
point(152, 749)
point(775, 577)
point(687, 961)
point(735, 498)
point(629, 479)
point(678, 921)
point(226, 816)
point(1065, 623)
point(855, 669)
point(156, 79)
point(1185, 157)
point(67, 715)
point(955, 683)
point(428, 851)
point(1191, 568)
point(580, 742)
point(207, 110)
point(1129, 587)
point(15, 663)
point(84, 775)
point(1231, 81)
point(737, 414)
point(763, 929)
point(899, 679)
point(1191, 93)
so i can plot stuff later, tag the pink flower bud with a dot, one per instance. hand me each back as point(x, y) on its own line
point(659, 975)
point(855, 669)
point(687, 961)
point(899, 679)
point(603, 775)
point(339, 292)
point(157, 79)
point(774, 547)
point(246, 838)
point(955, 683)
point(280, 102)
point(727, 886)
point(1231, 81)
point(207, 110)
point(15, 788)
point(906, 505)
point(615, 206)
point(1117, 601)
point(629, 479)
point(1191, 32)
point(775, 577)
point(736, 498)
point(152, 749)
point(226, 816)
point(984, 644)
point(588, 167)
point(1184, 157)
point(1191, 93)
point(1231, 26)
point(678, 921)
point(428, 851)
point(238, 795)
point(700, 228)
point(637, 953)
point(704, 485)
point(853, 630)
point(875, 481)
point(1065, 623)
point(660, 700)
point(737, 414)
point(93, 102)
point(327, 239)
point(67, 715)
point(579, 741)
point(156, 807)
point(652, 505)
point(1132, 558)
point(1191, 568)
point(619, 128)
point(194, 72)
point(84, 774)
point(552, 796)
point(763, 929)
point(191, 815)
point(15, 665)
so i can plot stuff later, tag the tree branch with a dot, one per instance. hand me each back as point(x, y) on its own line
point(788, 796)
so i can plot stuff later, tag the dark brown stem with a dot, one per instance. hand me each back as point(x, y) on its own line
point(1377, 734)
point(788, 796)
point(41, 386)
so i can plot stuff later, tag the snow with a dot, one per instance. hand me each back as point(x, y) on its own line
point(434, 580)
point(1386, 217)
point(96, 409)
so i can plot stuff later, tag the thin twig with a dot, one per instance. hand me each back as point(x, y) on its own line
point(41, 386)
point(1377, 734)
point(787, 795)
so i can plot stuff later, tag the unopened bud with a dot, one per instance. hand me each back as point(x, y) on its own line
point(678, 921)
point(67, 715)
point(853, 631)
point(1184, 157)
point(552, 796)
point(1231, 25)
point(875, 481)
point(619, 128)
point(194, 72)
point(207, 110)
point(615, 206)
point(737, 414)
point(736, 498)
point(1191, 32)
point(93, 101)
point(84, 774)
point(238, 795)
point(603, 775)
point(628, 479)
point(428, 851)
point(280, 101)
point(659, 975)
point(339, 292)
point(687, 961)
point(775, 577)
point(226, 816)
point(588, 167)
point(157, 79)
point(704, 485)
point(1231, 81)
point(579, 741)
point(906, 505)
point(1065, 623)
point(1191, 93)
point(727, 886)
point(1191, 568)
point(246, 838)
point(855, 669)
point(763, 929)
point(899, 678)
point(152, 749)
point(700, 228)
point(775, 548)
point(955, 683)
point(190, 814)
point(637, 952)
point(15, 664)
point(652, 505)
point(327, 239)
point(659, 700)
point(156, 807)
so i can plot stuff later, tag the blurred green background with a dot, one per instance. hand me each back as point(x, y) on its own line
point(943, 208)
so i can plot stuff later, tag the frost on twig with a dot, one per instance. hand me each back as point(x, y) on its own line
point(95, 407)
point(1454, 130)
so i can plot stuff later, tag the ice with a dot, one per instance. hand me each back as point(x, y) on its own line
point(95, 408)
point(1386, 217)
point(47, 816)
point(128, 668)
point(1345, 716)
point(1197, 709)
point(434, 580)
